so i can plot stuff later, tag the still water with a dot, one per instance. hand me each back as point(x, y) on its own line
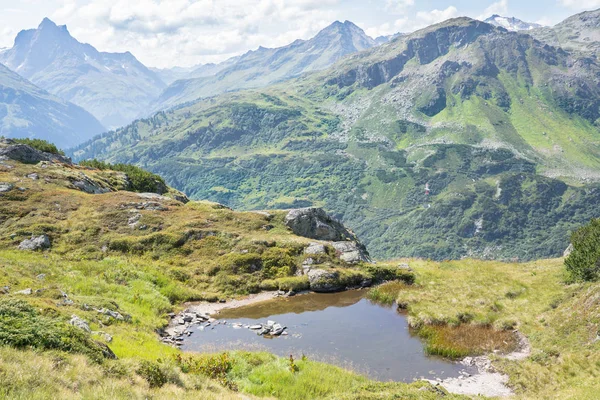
point(339, 328)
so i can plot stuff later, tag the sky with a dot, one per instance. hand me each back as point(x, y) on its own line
point(167, 33)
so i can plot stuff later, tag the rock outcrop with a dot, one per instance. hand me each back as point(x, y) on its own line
point(9, 149)
point(314, 223)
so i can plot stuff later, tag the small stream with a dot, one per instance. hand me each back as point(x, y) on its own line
point(344, 329)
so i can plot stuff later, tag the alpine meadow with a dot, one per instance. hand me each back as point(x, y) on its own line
point(299, 200)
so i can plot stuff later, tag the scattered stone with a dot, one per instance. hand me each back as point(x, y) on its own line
point(41, 277)
point(33, 176)
point(35, 243)
point(113, 314)
point(87, 185)
point(255, 327)
point(4, 290)
point(79, 323)
point(26, 292)
point(405, 267)
point(5, 187)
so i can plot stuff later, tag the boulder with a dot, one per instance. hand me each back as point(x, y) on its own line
point(9, 149)
point(314, 223)
point(351, 252)
point(26, 292)
point(315, 248)
point(324, 281)
point(35, 243)
point(79, 323)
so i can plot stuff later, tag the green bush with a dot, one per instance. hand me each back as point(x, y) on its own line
point(139, 180)
point(22, 326)
point(214, 366)
point(583, 264)
point(153, 373)
point(41, 145)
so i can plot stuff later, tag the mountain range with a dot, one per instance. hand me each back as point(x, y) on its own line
point(265, 66)
point(28, 111)
point(578, 33)
point(501, 128)
point(115, 87)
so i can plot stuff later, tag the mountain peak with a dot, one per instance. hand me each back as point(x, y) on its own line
point(511, 23)
point(47, 24)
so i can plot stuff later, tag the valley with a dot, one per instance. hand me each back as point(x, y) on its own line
point(408, 211)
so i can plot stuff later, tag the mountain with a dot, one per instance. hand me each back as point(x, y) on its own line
point(266, 66)
point(580, 32)
point(511, 23)
point(28, 111)
point(387, 38)
point(114, 87)
point(170, 75)
point(500, 128)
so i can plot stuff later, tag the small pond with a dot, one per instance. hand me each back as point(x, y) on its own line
point(339, 328)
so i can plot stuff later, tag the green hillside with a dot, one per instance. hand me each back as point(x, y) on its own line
point(501, 127)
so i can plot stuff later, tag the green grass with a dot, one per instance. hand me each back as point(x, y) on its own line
point(470, 307)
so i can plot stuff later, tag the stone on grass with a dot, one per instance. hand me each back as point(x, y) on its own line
point(79, 323)
point(35, 243)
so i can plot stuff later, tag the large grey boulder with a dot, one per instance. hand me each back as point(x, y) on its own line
point(324, 281)
point(35, 243)
point(9, 149)
point(351, 252)
point(314, 223)
point(315, 248)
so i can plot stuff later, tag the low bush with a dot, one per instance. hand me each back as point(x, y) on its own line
point(22, 326)
point(153, 372)
point(214, 366)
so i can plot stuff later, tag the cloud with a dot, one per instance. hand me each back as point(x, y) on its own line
point(499, 8)
point(186, 32)
point(425, 18)
point(398, 6)
point(580, 4)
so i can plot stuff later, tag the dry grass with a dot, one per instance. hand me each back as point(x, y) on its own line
point(464, 340)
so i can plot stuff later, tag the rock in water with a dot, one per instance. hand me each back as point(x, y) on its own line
point(35, 243)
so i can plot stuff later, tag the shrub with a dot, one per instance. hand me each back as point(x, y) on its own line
point(41, 145)
point(140, 180)
point(22, 326)
point(214, 366)
point(153, 373)
point(583, 264)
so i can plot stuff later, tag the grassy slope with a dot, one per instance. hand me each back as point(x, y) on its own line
point(561, 321)
point(101, 262)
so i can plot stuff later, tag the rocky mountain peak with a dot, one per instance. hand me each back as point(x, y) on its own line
point(511, 23)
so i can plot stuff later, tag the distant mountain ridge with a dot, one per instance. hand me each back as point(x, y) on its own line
point(114, 87)
point(511, 23)
point(580, 32)
point(28, 111)
point(265, 66)
point(490, 121)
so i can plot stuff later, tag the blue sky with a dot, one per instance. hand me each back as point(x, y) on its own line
point(166, 33)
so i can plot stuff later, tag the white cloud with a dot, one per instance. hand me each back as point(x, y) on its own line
point(186, 32)
point(425, 18)
point(499, 8)
point(580, 4)
point(398, 6)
